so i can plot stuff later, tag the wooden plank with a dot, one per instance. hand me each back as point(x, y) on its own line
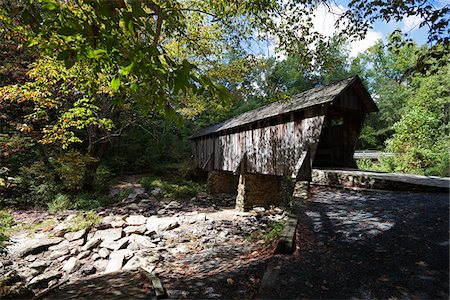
point(156, 282)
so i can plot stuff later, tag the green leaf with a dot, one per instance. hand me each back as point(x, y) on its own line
point(67, 31)
point(50, 6)
point(63, 55)
point(115, 83)
point(126, 70)
point(69, 63)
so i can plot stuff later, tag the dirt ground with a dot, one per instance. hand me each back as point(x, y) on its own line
point(350, 244)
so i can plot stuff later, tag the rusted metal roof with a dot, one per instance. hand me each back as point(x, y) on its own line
point(312, 97)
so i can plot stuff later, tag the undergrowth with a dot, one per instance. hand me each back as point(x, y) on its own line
point(171, 188)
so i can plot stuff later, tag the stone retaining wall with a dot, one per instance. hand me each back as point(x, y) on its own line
point(262, 190)
point(222, 182)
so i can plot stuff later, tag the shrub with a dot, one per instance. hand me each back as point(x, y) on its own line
point(60, 203)
point(275, 232)
point(6, 222)
point(84, 220)
point(171, 188)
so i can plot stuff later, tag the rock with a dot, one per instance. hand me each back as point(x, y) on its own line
point(27, 273)
point(76, 243)
point(30, 258)
point(143, 241)
point(118, 223)
point(75, 251)
point(173, 205)
point(115, 245)
point(95, 256)
point(70, 265)
point(171, 226)
point(136, 220)
point(103, 252)
point(60, 230)
point(135, 229)
point(100, 265)
point(92, 243)
point(112, 234)
point(38, 245)
point(88, 270)
point(156, 192)
point(43, 279)
point(120, 244)
point(134, 246)
point(65, 244)
point(142, 196)
point(40, 264)
point(161, 224)
point(161, 211)
point(57, 254)
point(83, 254)
point(52, 282)
point(80, 234)
point(132, 207)
point(144, 261)
point(7, 262)
point(70, 218)
point(107, 221)
point(116, 261)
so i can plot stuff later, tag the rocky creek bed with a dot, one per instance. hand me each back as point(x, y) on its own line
point(200, 236)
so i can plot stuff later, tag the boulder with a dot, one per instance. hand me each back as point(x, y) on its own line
point(115, 245)
point(42, 280)
point(117, 259)
point(83, 254)
point(72, 236)
point(135, 229)
point(118, 223)
point(70, 265)
point(60, 230)
point(92, 243)
point(38, 245)
point(136, 220)
point(155, 224)
point(112, 234)
point(143, 241)
point(103, 252)
point(88, 270)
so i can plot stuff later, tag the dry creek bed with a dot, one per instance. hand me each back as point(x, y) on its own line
point(202, 235)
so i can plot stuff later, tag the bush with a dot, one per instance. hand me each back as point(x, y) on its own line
point(6, 222)
point(275, 233)
point(171, 188)
point(60, 203)
point(84, 220)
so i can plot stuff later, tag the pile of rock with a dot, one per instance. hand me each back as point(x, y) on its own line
point(159, 233)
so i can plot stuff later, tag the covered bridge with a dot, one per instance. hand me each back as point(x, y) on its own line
point(316, 128)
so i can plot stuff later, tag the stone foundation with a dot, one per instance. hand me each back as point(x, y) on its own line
point(262, 190)
point(222, 182)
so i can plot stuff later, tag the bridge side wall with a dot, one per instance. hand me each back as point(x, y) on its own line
point(270, 149)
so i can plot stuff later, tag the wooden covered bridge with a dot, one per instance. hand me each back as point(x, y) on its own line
point(251, 153)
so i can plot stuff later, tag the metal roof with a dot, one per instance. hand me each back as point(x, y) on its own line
point(312, 97)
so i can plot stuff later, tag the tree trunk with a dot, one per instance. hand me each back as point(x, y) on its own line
point(95, 153)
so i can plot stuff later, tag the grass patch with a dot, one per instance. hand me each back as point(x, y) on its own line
point(6, 222)
point(84, 220)
point(172, 188)
point(274, 233)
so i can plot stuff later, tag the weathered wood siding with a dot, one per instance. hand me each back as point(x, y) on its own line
point(272, 149)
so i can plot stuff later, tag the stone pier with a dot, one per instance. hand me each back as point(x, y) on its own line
point(222, 182)
point(262, 190)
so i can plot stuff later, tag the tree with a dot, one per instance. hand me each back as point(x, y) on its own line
point(385, 68)
point(420, 140)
